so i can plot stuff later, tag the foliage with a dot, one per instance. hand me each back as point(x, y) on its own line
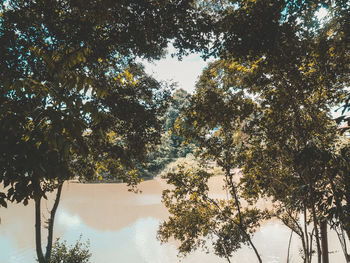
point(68, 83)
point(212, 122)
point(172, 145)
point(46, 140)
point(188, 162)
point(265, 105)
point(196, 218)
point(282, 137)
point(77, 253)
point(73, 102)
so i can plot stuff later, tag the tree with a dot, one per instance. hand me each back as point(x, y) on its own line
point(295, 67)
point(287, 134)
point(284, 146)
point(214, 123)
point(196, 218)
point(172, 146)
point(73, 101)
point(46, 143)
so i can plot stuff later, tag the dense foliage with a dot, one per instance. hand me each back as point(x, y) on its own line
point(73, 102)
point(265, 105)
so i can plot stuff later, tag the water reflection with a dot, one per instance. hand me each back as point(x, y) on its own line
point(122, 226)
point(10, 253)
point(136, 242)
point(67, 220)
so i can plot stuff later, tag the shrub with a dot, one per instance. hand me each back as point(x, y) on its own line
point(78, 253)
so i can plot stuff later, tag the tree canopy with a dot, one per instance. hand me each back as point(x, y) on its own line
point(265, 105)
point(73, 101)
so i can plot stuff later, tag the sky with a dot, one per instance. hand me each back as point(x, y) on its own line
point(185, 72)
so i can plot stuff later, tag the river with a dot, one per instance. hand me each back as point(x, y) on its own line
point(121, 227)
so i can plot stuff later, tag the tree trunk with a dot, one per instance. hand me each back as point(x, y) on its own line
point(234, 195)
point(252, 244)
point(342, 239)
point(324, 241)
point(51, 223)
point(317, 234)
point(39, 251)
point(308, 251)
point(240, 224)
point(289, 243)
point(343, 214)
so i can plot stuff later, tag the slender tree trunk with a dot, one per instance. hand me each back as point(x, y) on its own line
point(252, 244)
point(311, 240)
point(317, 234)
point(341, 236)
point(51, 223)
point(235, 196)
point(338, 202)
point(300, 232)
point(347, 230)
point(346, 219)
point(305, 247)
point(289, 243)
point(39, 251)
point(308, 252)
point(227, 257)
point(324, 241)
point(346, 224)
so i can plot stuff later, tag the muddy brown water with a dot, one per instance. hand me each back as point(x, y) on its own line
point(121, 227)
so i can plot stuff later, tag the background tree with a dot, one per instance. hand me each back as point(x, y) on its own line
point(172, 145)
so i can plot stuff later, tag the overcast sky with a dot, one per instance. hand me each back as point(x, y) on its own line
point(185, 72)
